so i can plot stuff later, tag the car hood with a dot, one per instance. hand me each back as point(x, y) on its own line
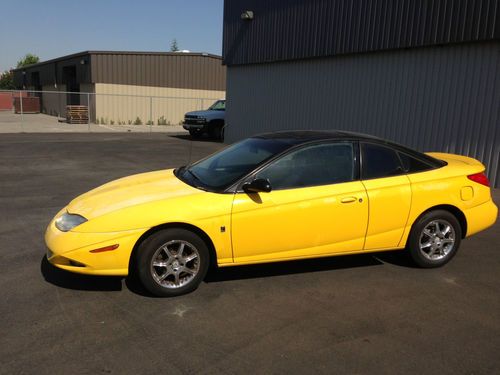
point(203, 113)
point(199, 113)
point(130, 191)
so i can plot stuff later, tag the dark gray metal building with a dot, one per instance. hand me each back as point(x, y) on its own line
point(422, 73)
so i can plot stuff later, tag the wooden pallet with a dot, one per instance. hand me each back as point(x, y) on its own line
point(77, 114)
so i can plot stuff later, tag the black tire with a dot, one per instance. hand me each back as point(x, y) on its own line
point(429, 247)
point(195, 133)
point(171, 264)
point(217, 131)
point(221, 133)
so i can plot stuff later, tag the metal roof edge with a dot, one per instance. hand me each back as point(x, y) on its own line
point(138, 53)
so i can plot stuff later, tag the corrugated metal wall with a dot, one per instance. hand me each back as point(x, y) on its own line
point(52, 72)
point(158, 69)
point(296, 29)
point(179, 70)
point(432, 99)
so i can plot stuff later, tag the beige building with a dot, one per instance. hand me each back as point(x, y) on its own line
point(127, 87)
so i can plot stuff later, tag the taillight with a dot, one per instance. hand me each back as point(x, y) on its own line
point(480, 178)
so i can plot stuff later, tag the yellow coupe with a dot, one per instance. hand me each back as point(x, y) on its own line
point(274, 197)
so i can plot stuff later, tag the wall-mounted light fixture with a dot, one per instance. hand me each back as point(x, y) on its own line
point(83, 61)
point(247, 15)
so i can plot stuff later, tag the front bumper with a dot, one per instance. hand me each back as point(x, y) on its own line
point(197, 127)
point(71, 250)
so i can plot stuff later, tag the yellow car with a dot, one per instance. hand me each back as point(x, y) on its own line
point(274, 197)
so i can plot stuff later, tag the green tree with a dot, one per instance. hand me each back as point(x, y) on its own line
point(173, 46)
point(7, 80)
point(28, 59)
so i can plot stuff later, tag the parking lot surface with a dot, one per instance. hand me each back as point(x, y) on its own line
point(354, 314)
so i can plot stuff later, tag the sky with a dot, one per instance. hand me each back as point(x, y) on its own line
point(54, 28)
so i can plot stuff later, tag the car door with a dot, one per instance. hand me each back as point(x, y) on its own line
point(317, 206)
point(389, 196)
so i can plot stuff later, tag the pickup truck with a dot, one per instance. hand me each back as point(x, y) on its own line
point(210, 121)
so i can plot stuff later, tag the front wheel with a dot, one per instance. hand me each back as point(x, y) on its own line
point(217, 132)
point(172, 262)
point(434, 239)
point(195, 133)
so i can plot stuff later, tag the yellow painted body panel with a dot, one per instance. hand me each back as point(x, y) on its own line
point(346, 218)
point(136, 204)
point(389, 201)
point(299, 222)
point(443, 186)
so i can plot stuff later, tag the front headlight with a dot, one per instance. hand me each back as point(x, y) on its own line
point(68, 221)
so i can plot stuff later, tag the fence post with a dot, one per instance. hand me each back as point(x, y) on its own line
point(21, 107)
point(150, 114)
point(88, 110)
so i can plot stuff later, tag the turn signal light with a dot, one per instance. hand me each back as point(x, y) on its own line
point(480, 178)
point(103, 249)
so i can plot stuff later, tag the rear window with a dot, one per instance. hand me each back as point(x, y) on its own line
point(379, 161)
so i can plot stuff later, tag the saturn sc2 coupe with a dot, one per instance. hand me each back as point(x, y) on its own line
point(274, 197)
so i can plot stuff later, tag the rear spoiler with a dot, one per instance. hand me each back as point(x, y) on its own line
point(455, 158)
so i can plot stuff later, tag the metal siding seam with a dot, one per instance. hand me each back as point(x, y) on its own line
point(463, 133)
point(494, 120)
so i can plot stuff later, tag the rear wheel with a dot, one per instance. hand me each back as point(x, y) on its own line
point(434, 239)
point(172, 262)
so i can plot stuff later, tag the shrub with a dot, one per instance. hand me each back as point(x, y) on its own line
point(137, 121)
point(162, 121)
point(111, 122)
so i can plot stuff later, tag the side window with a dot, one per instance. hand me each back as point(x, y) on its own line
point(321, 164)
point(412, 165)
point(379, 161)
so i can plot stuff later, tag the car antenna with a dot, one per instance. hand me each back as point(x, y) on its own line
point(190, 150)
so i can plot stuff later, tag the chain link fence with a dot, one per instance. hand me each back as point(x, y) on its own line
point(62, 111)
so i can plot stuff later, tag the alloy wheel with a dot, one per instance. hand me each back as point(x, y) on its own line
point(175, 264)
point(437, 239)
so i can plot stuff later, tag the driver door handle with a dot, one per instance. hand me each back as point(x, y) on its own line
point(348, 199)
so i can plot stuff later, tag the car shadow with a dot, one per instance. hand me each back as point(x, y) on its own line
point(396, 258)
point(75, 281)
point(291, 267)
point(69, 280)
point(203, 138)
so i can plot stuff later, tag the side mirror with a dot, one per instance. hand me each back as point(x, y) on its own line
point(257, 186)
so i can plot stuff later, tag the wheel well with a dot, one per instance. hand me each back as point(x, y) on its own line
point(217, 122)
point(192, 228)
point(452, 210)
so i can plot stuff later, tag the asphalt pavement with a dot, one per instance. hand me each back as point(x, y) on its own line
point(372, 313)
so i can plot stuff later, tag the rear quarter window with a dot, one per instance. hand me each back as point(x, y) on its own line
point(379, 161)
point(413, 165)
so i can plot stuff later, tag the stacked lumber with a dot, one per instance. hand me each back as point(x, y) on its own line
point(77, 114)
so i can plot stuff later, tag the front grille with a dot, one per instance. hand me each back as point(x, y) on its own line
point(194, 121)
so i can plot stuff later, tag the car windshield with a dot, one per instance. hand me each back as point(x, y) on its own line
point(219, 105)
point(225, 167)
